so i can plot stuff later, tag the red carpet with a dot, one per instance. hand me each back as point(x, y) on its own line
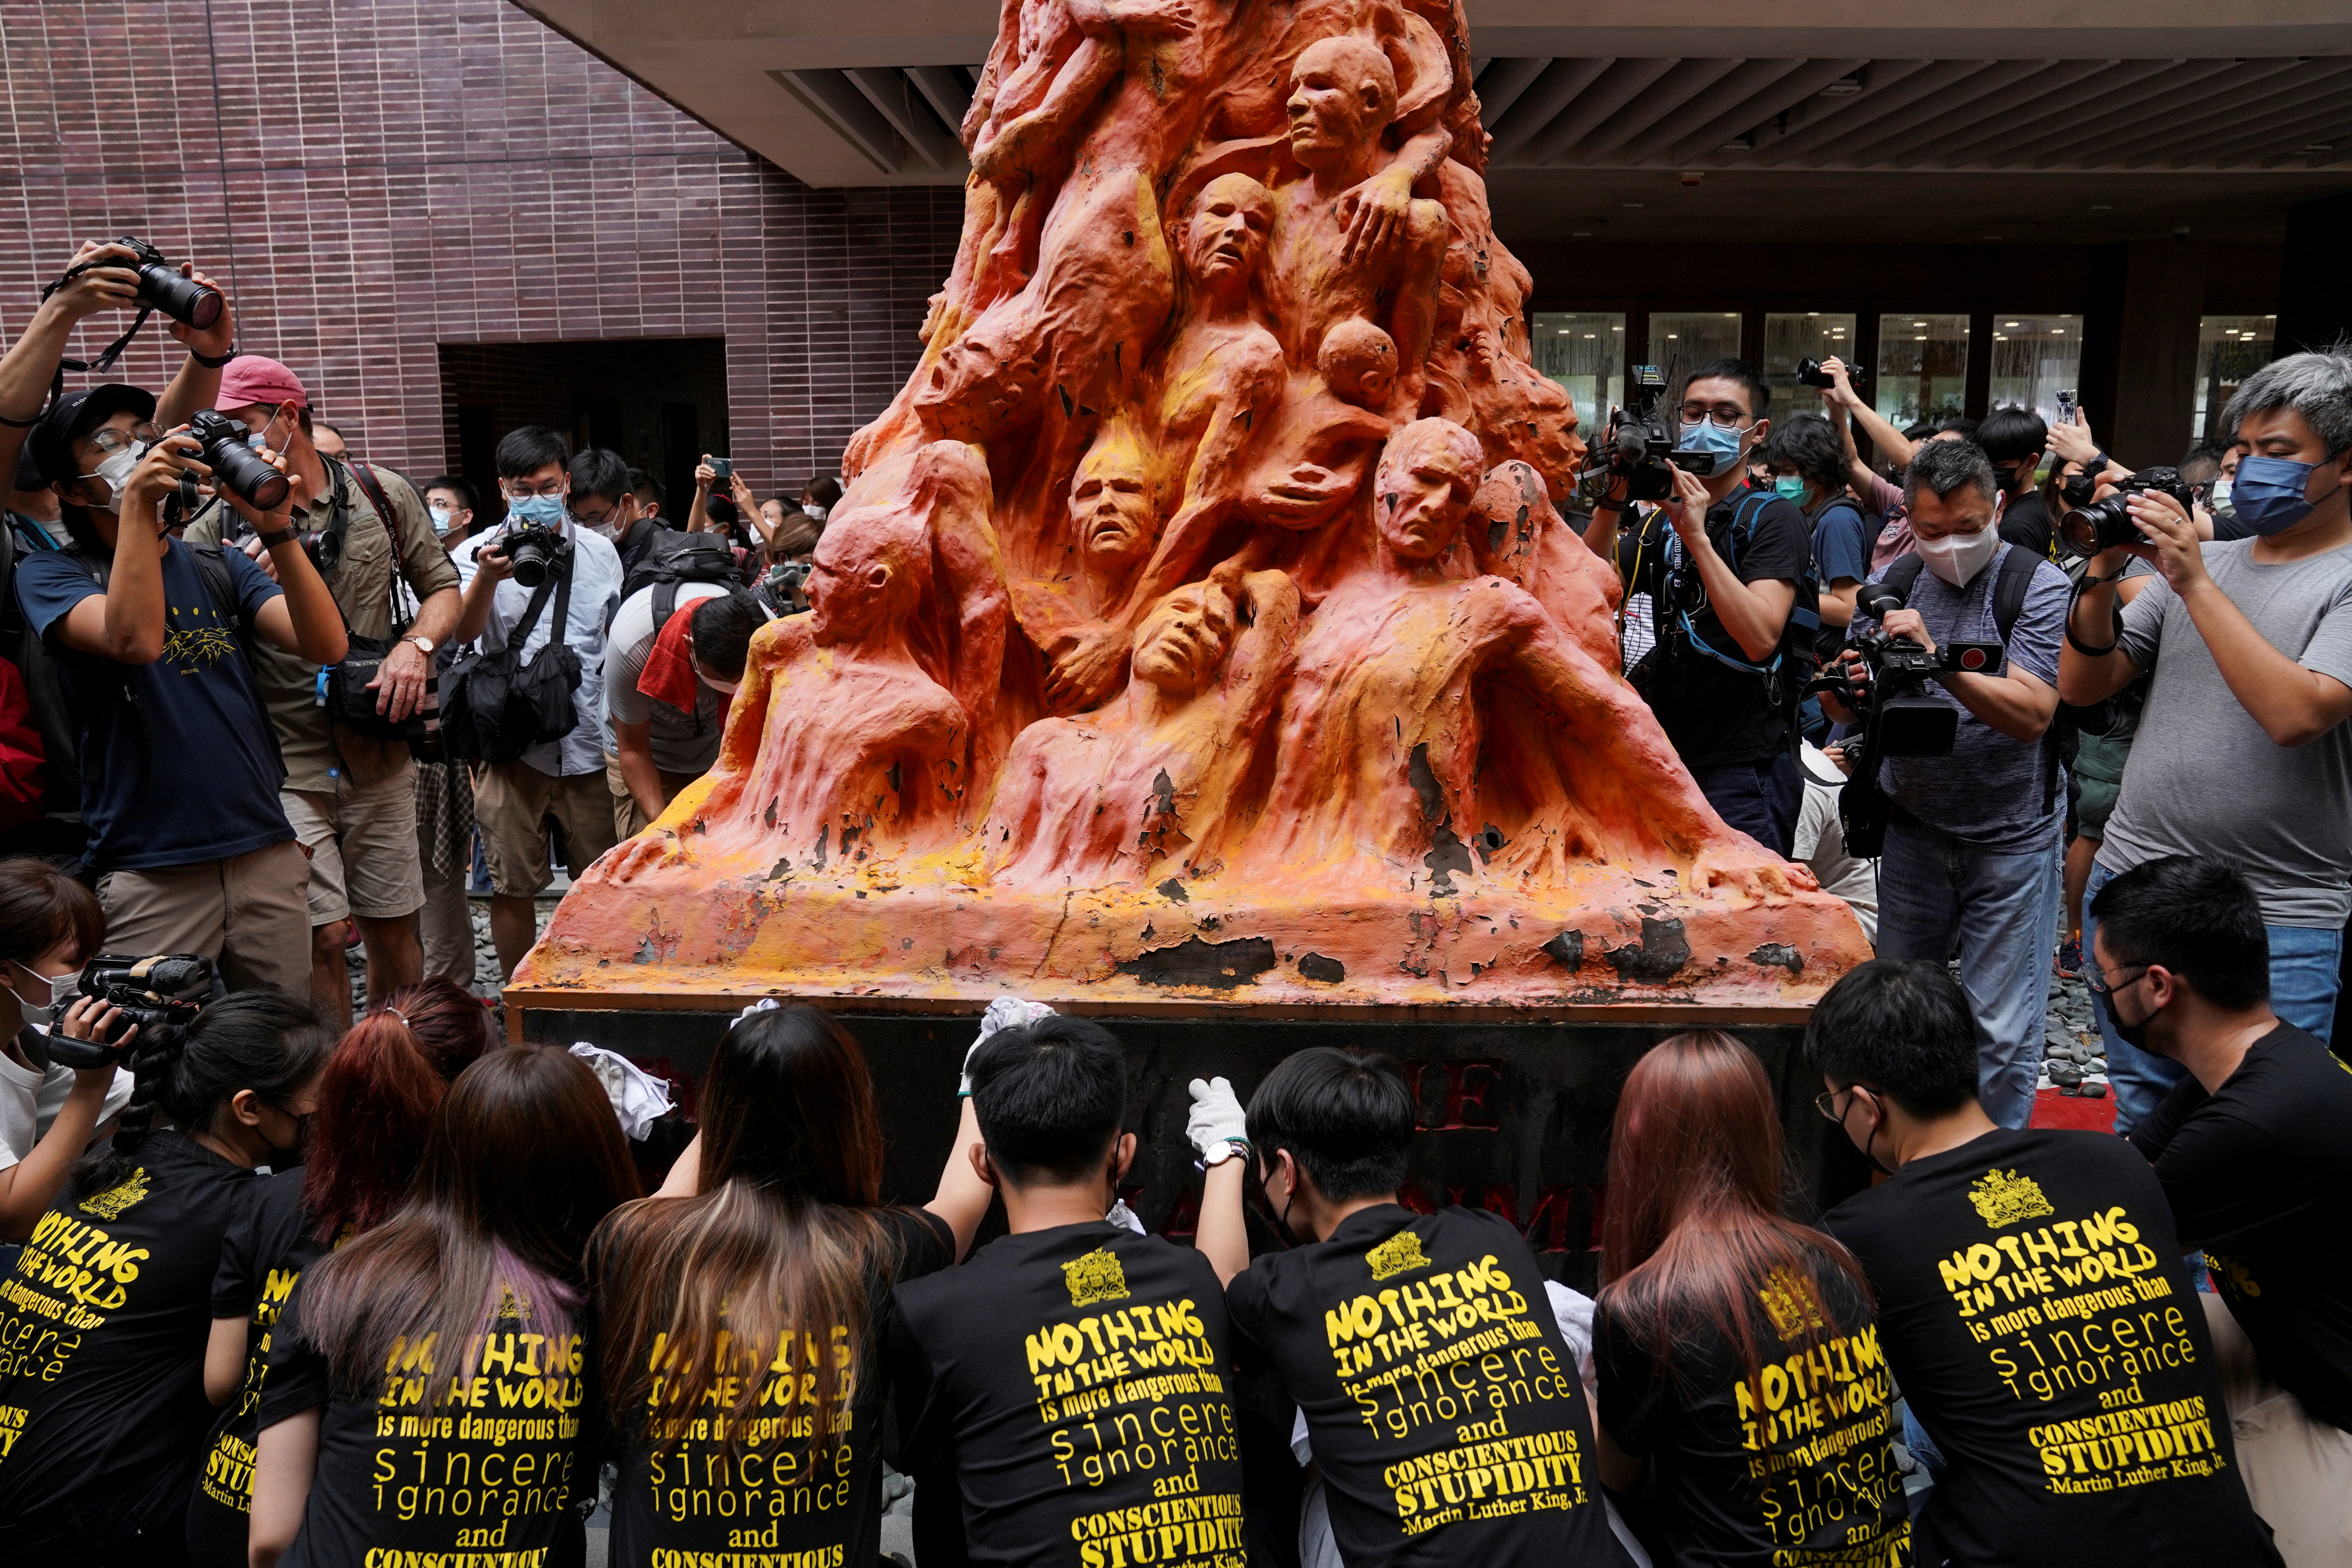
point(2052, 1108)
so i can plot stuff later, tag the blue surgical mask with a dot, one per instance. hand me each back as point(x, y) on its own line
point(442, 517)
point(541, 511)
point(1706, 436)
point(2267, 494)
point(1788, 487)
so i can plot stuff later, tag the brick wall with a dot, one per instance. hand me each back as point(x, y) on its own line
point(372, 179)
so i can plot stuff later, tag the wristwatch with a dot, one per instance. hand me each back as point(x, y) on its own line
point(1231, 1149)
point(209, 363)
point(426, 644)
point(286, 535)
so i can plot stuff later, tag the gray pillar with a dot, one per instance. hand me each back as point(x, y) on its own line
point(2156, 381)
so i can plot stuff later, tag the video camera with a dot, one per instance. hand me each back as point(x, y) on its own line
point(167, 988)
point(2109, 518)
point(1898, 718)
point(1640, 445)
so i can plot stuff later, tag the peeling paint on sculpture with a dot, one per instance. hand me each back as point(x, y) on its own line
point(1199, 621)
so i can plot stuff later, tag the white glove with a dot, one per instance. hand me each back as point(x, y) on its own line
point(1004, 1012)
point(1217, 1116)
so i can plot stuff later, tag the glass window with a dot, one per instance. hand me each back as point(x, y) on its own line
point(1687, 340)
point(2229, 349)
point(1802, 334)
point(1585, 352)
point(1923, 367)
point(2033, 358)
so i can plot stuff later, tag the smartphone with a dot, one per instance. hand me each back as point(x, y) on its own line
point(2066, 407)
point(721, 469)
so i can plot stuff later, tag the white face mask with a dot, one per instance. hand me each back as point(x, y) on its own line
point(61, 990)
point(115, 473)
point(730, 687)
point(1956, 558)
point(809, 509)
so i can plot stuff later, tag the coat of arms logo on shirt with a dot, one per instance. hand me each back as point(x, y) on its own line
point(2004, 1198)
point(110, 1204)
point(1399, 1254)
point(1789, 1300)
point(1095, 1277)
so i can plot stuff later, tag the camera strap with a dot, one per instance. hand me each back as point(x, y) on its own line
point(105, 356)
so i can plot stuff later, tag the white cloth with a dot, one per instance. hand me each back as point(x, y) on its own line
point(1821, 843)
point(1004, 1012)
point(595, 590)
point(638, 1100)
point(30, 1098)
point(1123, 1216)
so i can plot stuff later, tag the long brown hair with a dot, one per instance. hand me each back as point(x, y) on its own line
point(769, 1265)
point(376, 1100)
point(523, 1161)
point(1694, 1236)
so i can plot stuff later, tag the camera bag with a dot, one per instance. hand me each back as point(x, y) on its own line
point(495, 707)
point(348, 702)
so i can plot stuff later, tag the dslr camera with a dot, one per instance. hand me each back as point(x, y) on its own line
point(786, 587)
point(2109, 518)
point(1810, 373)
point(167, 988)
point(1898, 718)
point(160, 286)
point(235, 463)
point(537, 552)
point(1640, 445)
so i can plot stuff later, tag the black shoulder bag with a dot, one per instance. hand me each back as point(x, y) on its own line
point(494, 707)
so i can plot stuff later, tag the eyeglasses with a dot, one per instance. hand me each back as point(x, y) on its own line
point(1730, 415)
point(2096, 982)
point(114, 441)
point(1826, 1103)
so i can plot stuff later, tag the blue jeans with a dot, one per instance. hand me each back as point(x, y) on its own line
point(1761, 799)
point(2001, 909)
point(2305, 972)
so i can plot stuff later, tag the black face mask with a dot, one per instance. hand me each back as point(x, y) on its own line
point(2134, 1034)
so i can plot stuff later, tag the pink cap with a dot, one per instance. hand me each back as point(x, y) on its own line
point(249, 379)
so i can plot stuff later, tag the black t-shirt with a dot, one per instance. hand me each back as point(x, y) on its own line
point(1716, 714)
point(1795, 1466)
point(1079, 1376)
point(1445, 1412)
point(102, 1332)
point(482, 1452)
point(261, 1257)
point(2035, 1312)
point(765, 1505)
point(2025, 521)
point(2258, 1173)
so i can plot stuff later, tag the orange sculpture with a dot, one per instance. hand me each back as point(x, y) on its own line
point(1199, 623)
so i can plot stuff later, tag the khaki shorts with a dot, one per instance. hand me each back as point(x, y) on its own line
point(514, 802)
point(628, 820)
point(2297, 1469)
point(362, 844)
point(246, 914)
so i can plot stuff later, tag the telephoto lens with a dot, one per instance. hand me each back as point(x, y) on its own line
point(533, 551)
point(161, 288)
point(235, 465)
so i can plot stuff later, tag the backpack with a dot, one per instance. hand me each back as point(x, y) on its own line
point(494, 707)
point(1791, 664)
point(672, 558)
point(2064, 738)
point(60, 732)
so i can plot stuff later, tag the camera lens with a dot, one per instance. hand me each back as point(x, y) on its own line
point(238, 466)
point(182, 298)
point(2110, 522)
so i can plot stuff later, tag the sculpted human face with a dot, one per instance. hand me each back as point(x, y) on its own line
point(1184, 639)
point(974, 388)
point(848, 587)
point(1338, 102)
point(1422, 499)
point(1227, 233)
point(1111, 506)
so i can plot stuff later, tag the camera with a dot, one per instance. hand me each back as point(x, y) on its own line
point(536, 550)
point(160, 286)
point(1810, 373)
point(786, 588)
point(1898, 718)
point(167, 988)
point(2109, 518)
point(235, 463)
point(1640, 445)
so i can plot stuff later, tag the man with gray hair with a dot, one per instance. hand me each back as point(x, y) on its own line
point(1971, 852)
point(2243, 753)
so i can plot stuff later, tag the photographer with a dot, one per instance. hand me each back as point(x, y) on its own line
point(50, 925)
point(1733, 607)
point(672, 665)
point(1971, 848)
point(563, 780)
point(2243, 753)
point(350, 793)
point(151, 636)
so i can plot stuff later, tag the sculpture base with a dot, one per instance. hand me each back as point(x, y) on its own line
point(1514, 1117)
point(1600, 941)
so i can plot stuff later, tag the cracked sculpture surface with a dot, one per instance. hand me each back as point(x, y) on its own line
point(1198, 624)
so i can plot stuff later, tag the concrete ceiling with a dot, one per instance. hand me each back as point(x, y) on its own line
point(2128, 119)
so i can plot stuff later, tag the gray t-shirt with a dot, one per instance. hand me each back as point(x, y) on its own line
point(2203, 778)
point(1993, 792)
point(681, 743)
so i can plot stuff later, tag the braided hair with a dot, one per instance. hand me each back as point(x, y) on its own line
point(262, 1040)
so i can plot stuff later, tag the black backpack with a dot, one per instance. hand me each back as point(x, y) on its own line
point(2064, 738)
point(672, 558)
point(494, 707)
